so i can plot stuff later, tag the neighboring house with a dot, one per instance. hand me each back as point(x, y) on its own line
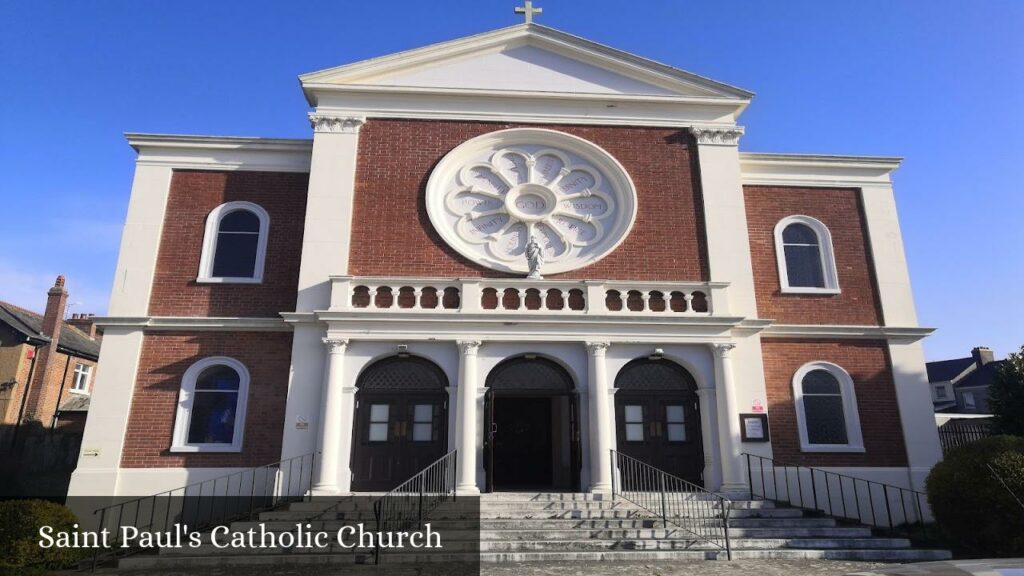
point(47, 366)
point(961, 385)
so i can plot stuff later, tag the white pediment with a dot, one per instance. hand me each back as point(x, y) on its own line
point(523, 59)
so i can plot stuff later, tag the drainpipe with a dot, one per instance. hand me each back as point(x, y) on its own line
point(60, 392)
point(24, 396)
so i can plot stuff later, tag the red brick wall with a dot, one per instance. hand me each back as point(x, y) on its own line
point(840, 210)
point(868, 364)
point(165, 358)
point(193, 195)
point(392, 234)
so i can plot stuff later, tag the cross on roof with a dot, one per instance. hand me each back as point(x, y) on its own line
point(528, 11)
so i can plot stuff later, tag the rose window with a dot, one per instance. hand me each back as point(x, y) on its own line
point(490, 195)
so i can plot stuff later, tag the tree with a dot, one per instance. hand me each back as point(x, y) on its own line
point(1006, 396)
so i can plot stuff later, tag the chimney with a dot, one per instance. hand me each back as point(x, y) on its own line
point(982, 355)
point(85, 323)
point(56, 304)
point(38, 403)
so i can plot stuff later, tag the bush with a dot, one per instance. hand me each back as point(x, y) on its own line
point(971, 506)
point(19, 534)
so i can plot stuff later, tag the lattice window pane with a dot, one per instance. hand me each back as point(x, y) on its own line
point(826, 423)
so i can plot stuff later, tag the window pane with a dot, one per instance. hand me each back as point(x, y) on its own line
point(940, 392)
point(799, 234)
point(825, 421)
point(674, 414)
point(803, 267)
point(422, 432)
point(236, 255)
point(676, 433)
point(423, 413)
point(213, 418)
point(240, 221)
point(218, 377)
point(379, 412)
point(378, 432)
point(634, 414)
point(820, 382)
point(634, 432)
point(969, 400)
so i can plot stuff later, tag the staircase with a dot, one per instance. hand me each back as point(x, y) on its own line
point(524, 527)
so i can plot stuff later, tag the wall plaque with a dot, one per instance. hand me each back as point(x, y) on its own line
point(489, 195)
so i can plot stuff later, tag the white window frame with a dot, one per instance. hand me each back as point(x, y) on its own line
point(87, 375)
point(210, 244)
point(186, 396)
point(828, 259)
point(854, 437)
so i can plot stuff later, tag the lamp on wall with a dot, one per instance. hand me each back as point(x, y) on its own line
point(658, 354)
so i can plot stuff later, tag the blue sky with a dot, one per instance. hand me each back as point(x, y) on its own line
point(940, 83)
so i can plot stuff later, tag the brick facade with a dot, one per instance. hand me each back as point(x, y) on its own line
point(392, 234)
point(165, 358)
point(193, 194)
point(840, 210)
point(868, 364)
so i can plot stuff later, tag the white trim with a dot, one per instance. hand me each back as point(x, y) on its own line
point(825, 253)
point(187, 395)
point(195, 323)
point(854, 438)
point(210, 243)
point(180, 151)
point(905, 333)
point(816, 170)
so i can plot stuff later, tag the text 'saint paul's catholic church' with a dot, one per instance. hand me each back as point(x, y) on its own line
point(521, 245)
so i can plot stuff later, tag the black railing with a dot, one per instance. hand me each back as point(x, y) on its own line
point(408, 505)
point(956, 433)
point(703, 513)
point(208, 503)
point(883, 506)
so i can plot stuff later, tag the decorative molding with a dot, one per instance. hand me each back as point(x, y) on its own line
point(335, 345)
point(717, 135)
point(723, 350)
point(233, 324)
point(335, 124)
point(598, 348)
point(905, 334)
point(469, 347)
point(489, 196)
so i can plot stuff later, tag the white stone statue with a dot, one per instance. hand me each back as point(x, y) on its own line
point(535, 258)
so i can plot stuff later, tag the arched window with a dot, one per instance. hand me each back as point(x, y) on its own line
point(826, 409)
point(235, 243)
point(803, 247)
point(211, 407)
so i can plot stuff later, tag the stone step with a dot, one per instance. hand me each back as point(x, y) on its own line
point(140, 562)
point(800, 541)
point(691, 544)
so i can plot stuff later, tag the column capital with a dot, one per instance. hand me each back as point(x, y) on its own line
point(335, 345)
point(469, 347)
point(598, 347)
point(709, 392)
point(723, 350)
point(335, 124)
point(717, 135)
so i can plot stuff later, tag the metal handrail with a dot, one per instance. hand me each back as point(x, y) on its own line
point(838, 495)
point(703, 513)
point(408, 504)
point(206, 503)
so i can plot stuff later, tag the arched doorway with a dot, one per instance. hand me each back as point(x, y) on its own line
point(657, 417)
point(531, 426)
point(401, 422)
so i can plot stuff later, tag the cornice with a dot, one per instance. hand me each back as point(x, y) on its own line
point(192, 323)
point(817, 170)
point(717, 135)
point(139, 140)
point(335, 124)
point(907, 333)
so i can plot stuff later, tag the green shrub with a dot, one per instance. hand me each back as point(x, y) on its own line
point(19, 534)
point(971, 506)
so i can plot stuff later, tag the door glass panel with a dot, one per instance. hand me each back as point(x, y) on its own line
point(634, 414)
point(676, 433)
point(674, 414)
point(423, 423)
point(634, 432)
point(379, 422)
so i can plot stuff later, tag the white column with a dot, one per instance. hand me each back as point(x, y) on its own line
point(729, 423)
point(332, 427)
point(600, 419)
point(709, 426)
point(325, 240)
point(465, 423)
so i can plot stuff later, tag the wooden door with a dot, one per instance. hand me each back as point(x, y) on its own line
point(396, 436)
point(662, 429)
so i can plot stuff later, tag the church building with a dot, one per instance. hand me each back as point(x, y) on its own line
point(523, 246)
